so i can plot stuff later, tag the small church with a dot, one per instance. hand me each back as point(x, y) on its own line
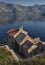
point(19, 40)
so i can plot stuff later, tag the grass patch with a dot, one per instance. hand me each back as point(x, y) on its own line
point(7, 59)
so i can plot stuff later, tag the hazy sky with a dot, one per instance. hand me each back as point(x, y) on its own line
point(25, 2)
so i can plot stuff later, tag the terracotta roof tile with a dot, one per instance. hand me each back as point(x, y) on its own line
point(12, 31)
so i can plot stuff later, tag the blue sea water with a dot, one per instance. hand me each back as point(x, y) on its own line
point(34, 28)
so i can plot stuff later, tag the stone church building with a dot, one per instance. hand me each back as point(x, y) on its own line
point(19, 40)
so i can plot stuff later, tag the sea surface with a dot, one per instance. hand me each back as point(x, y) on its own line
point(34, 28)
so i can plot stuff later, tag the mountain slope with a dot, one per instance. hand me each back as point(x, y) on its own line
point(7, 59)
point(14, 12)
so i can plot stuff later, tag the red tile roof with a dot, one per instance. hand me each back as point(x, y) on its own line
point(12, 31)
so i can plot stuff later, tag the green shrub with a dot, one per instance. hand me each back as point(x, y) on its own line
point(7, 59)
